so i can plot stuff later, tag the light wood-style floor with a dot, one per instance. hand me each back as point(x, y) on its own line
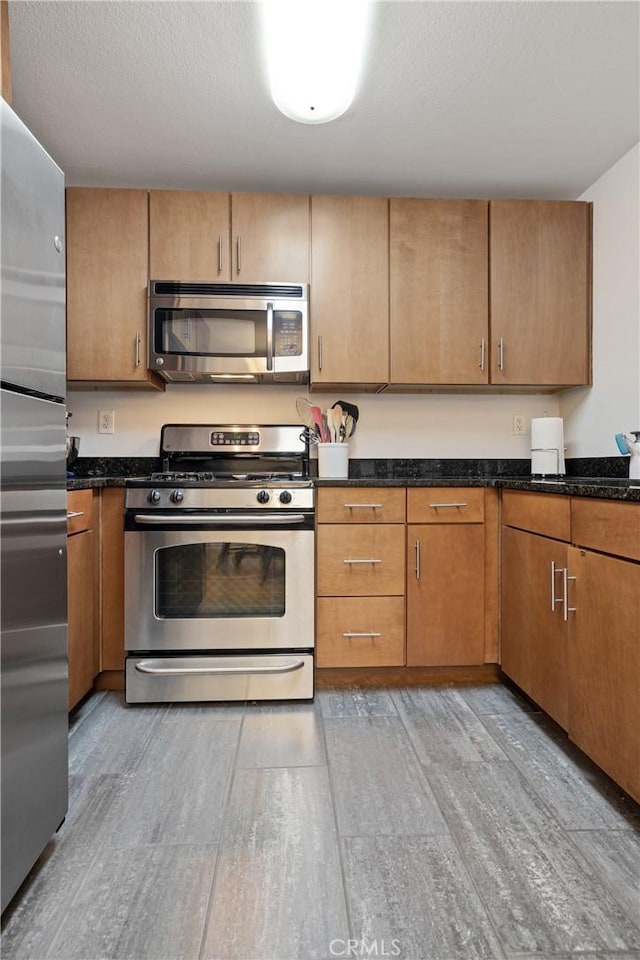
point(445, 823)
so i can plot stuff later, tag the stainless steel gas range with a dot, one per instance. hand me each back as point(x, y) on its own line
point(219, 567)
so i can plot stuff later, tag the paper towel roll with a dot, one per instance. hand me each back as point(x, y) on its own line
point(547, 446)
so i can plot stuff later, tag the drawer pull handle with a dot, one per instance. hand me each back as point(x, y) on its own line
point(368, 560)
point(566, 609)
point(439, 506)
point(75, 513)
point(155, 667)
point(363, 506)
point(555, 600)
point(369, 633)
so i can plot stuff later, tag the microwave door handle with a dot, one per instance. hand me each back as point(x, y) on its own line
point(269, 336)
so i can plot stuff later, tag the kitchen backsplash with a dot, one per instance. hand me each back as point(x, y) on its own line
point(391, 426)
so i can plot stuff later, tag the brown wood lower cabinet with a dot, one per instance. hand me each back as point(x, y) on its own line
point(570, 628)
point(604, 664)
point(360, 632)
point(445, 594)
point(82, 647)
point(534, 633)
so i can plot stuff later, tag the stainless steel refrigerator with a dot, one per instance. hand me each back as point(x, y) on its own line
point(33, 579)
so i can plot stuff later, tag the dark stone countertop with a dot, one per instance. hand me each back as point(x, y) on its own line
point(601, 478)
point(598, 488)
point(95, 483)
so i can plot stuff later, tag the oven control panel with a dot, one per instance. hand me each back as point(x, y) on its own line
point(235, 438)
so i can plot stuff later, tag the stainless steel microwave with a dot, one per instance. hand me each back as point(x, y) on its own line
point(228, 332)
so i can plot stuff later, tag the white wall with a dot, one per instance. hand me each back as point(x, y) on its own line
point(612, 405)
point(428, 425)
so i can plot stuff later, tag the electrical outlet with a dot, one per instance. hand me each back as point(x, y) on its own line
point(106, 421)
point(519, 424)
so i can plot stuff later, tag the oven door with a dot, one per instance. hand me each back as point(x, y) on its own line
point(219, 590)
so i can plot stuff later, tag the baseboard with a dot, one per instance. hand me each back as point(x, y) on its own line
point(109, 680)
point(403, 676)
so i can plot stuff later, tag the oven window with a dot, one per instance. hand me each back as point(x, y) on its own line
point(212, 580)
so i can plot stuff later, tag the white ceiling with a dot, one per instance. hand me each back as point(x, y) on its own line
point(471, 99)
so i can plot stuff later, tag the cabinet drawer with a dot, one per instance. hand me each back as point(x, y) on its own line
point(79, 510)
point(360, 561)
point(606, 525)
point(360, 632)
point(445, 505)
point(360, 505)
point(547, 514)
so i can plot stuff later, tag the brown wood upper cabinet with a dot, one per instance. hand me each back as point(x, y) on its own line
point(439, 291)
point(204, 236)
point(350, 291)
point(107, 260)
point(540, 257)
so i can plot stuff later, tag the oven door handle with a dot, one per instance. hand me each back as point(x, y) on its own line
point(147, 666)
point(230, 519)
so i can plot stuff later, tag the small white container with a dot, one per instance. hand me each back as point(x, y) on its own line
point(333, 460)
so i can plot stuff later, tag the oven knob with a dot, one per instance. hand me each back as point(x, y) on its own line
point(263, 496)
point(285, 497)
point(177, 496)
point(154, 496)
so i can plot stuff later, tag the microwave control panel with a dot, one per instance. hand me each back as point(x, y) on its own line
point(287, 333)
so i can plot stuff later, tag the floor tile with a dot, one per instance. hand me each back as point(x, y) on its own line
point(580, 796)
point(92, 801)
point(202, 711)
point(484, 698)
point(139, 904)
point(80, 713)
point(413, 895)
point(442, 727)
point(115, 738)
point(278, 890)
point(286, 735)
point(536, 887)
point(379, 787)
point(178, 792)
point(625, 955)
point(35, 915)
point(355, 702)
point(615, 858)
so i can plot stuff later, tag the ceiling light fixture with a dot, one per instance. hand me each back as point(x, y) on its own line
point(315, 50)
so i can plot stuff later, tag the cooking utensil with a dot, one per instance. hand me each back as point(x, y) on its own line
point(351, 409)
point(334, 417)
point(316, 413)
point(303, 406)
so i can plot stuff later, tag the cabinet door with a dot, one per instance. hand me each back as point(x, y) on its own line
point(445, 594)
point(81, 636)
point(540, 254)
point(350, 290)
point(534, 634)
point(604, 715)
point(270, 237)
point(107, 259)
point(439, 280)
point(189, 235)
